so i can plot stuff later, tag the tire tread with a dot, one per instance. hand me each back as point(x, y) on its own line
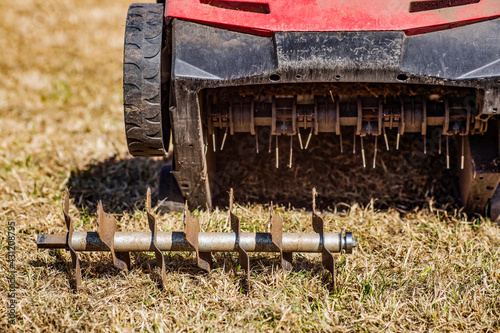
point(142, 79)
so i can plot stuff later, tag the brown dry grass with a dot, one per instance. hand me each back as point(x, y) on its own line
point(61, 124)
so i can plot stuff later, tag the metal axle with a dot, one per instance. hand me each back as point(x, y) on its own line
point(207, 242)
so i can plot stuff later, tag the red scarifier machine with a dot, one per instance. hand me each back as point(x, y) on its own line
point(199, 71)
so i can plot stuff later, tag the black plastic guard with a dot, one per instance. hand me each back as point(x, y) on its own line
point(209, 57)
point(463, 53)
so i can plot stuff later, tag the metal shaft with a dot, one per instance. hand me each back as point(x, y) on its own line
point(120, 244)
point(207, 242)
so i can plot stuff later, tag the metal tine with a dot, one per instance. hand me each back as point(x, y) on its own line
point(244, 259)
point(440, 142)
point(69, 237)
point(160, 258)
point(354, 144)
point(277, 154)
point(363, 152)
point(106, 228)
point(291, 152)
point(277, 237)
point(375, 152)
point(462, 157)
point(309, 137)
point(213, 141)
point(191, 233)
point(224, 139)
point(385, 139)
point(340, 139)
point(257, 142)
point(327, 257)
point(300, 137)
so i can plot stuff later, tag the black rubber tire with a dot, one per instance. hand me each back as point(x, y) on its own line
point(142, 93)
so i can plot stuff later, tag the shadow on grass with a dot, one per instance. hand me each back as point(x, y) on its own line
point(120, 183)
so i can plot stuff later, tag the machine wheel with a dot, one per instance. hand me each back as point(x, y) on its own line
point(142, 93)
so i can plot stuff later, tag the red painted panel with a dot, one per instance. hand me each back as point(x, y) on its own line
point(328, 15)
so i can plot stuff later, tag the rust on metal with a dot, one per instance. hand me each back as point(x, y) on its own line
point(319, 227)
point(69, 239)
point(236, 227)
point(160, 258)
point(277, 239)
point(192, 231)
point(106, 228)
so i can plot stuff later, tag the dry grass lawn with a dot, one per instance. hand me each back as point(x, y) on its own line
point(418, 267)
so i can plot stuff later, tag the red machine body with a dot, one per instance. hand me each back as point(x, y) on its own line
point(267, 17)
